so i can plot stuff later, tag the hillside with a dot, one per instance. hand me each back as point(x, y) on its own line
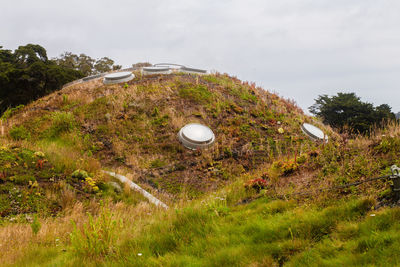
point(132, 128)
point(219, 216)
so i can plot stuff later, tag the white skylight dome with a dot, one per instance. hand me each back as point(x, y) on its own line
point(172, 66)
point(193, 70)
point(315, 133)
point(156, 70)
point(195, 136)
point(118, 77)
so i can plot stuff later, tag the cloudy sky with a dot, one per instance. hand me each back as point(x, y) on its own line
point(299, 48)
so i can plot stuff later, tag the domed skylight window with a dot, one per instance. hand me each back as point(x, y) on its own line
point(195, 136)
point(156, 70)
point(193, 70)
point(118, 77)
point(315, 133)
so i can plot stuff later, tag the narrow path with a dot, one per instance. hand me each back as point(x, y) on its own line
point(137, 188)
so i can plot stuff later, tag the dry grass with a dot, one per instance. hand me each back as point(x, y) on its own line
point(17, 238)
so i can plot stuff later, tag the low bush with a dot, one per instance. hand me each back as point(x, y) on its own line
point(62, 122)
point(19, 133)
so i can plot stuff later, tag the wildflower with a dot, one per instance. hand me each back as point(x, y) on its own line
point(280, 130)
point(33, 184)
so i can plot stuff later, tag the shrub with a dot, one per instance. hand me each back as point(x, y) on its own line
point(9, 112)
point(256, 184)
point(19, 133)
point(80, 174)
point(62, 122)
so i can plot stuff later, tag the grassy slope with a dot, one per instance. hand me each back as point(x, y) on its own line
point(133, 128)
point(233, 225)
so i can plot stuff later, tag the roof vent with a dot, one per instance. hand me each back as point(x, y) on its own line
point(156, 70)
point(195, 135)
point(118, 77)
point(315, 133)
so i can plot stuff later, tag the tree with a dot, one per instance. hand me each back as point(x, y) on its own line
point(26, 74)
point(347, 110)
point(85, 64)
point(105, 64)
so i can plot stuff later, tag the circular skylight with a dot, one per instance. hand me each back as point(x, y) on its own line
point(118, 77)
point(195, 135)
point(156, 70)
point(170, 65)
point(314, 132)
point(193, 70)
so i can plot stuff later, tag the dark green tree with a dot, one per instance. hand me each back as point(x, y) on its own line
point(26, 74)
point(346, 110)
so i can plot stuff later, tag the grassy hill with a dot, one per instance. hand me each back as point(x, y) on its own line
point(55, 148)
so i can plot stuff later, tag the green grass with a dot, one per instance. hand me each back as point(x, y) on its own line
point(62, 122)
point(264, 232)
point(19, 133)
point(200, 93)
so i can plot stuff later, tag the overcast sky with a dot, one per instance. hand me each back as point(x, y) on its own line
point(299, 49)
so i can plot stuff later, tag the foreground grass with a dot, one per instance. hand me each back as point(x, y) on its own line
point(263, 233)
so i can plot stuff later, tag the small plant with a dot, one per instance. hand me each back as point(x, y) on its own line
point(62, 122)
point(9, 112)
point(35, 225)
point(19, 133)
point(33, 184)
point(65, 99)
point(39, 154)
point(257, 184)
point(39, 163)
point(80, 174)
point(302, 159)
point(126, 85)
point(98, 237)
point(92, 184)
point(289, 167)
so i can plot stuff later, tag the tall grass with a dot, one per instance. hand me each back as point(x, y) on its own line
point(98, 236)
point(218, 234)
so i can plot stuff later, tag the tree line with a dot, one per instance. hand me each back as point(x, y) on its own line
point(347, 113)
point(27, 73)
